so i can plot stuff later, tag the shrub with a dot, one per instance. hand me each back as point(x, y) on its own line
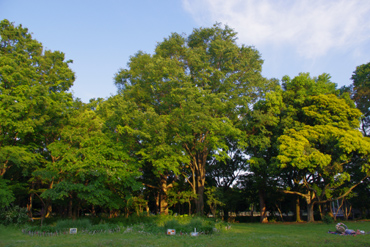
point(328, 219)
point(14, 216)
point(172, 224)
point(63, 225)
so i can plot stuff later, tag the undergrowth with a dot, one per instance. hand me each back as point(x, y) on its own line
point(148, 225)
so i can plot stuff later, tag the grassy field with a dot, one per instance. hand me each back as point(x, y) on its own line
point(252, 234)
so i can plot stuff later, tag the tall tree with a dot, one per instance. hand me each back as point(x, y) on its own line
point(263, 128)
point(33, 100)
point(323, 142)
point(361, 94)
point(88, 166)
point(198, 87)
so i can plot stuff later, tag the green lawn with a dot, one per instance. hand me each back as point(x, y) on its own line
point(252, 234)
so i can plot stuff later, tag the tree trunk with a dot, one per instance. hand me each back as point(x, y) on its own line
point(347, 211)
point(310, 216)
point(157, 199)
point(163, 197)
point(199, 202)
point(201, 179)
point(70, 204)
point(75, 212)
point(49, 209)
point(226, 214)
point(263, 217)
point(29, 205)
point(322, 214)
point(298, 210)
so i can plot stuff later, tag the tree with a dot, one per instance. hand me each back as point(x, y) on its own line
point(193, 92)
point(6, 195)
point(322, 143)
point(33, 101)
point(224, 174)
point(361, 94)
point(88, 166)
point(263, 128)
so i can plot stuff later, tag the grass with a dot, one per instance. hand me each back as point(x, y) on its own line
point(242, 234)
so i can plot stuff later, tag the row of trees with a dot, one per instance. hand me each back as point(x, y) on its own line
point(194, 124)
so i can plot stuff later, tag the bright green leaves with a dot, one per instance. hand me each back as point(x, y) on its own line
point(329, 109)
point(188, 97)
point(33, 101)
point(88, 163)
point(6, 195)
point(320, 145)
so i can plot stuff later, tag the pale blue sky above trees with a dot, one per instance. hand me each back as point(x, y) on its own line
point(315, 36)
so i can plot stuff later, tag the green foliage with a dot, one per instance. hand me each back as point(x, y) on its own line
point(6, 195)
point(327, 219)
point(188, 225)
point(13, 215)
point(321, 145)
point(361, 94)
point(258, 235)
point(63, 225)
point(153, 225)
point(181, 102)
point(89, 164)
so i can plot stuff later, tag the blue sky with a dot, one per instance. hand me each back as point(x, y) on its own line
point(315, 36)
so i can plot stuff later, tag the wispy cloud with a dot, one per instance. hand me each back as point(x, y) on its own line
point(311, 27)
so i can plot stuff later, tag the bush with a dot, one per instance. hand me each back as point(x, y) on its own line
point(14, 216)
point(152, 225)
point(188, 224)
point(82, 224)
point(327, 219)
point(172, 224)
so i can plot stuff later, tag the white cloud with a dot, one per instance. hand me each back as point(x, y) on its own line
point(311, 27)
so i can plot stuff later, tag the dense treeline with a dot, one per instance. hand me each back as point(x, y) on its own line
point(193, 128)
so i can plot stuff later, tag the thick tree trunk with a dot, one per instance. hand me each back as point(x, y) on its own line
point(310, 215)
point(70, 204)
point(263, 218)
point(163, 198)
point(226, 214)
point(298, 210)
point(201, 179)
point(309, 200)
point(199, 202)
point(164, 204)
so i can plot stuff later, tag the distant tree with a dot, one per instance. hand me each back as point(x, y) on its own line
point(361, 95)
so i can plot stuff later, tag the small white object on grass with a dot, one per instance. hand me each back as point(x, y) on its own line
point(195, 233)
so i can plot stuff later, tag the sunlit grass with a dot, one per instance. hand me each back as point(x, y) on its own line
point(253, 234)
